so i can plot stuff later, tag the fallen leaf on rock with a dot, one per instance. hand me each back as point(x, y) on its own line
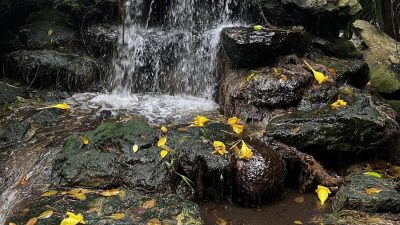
point(182, 129)
point(161, 142)
point(372, 191)
point(245, 152)
point(45, 214)
point(258, 27)
point(73, 219)
point(323, 193)
point(85, 140)
point(164, 129)
point(319, 77)
point(219, 147)
point(23, 182)
point(149, 204)
point(297, 222)
point(296, 130)
point(109, 193)
point(277, 72)
point(117, 216)
point(32, 221)
point(236, 125)
point(221, 221)
point(164, 153)
point(373, 174)
point(250, 76)
point(49, 193)
point(200, 121)
point(63, 106)
point(339, 104)
point(12, 224)
point(80, 196)
point(135, 148)
point(299, 199)
point(154, 222)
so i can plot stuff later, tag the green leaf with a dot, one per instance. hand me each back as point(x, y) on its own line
point(20, 99)
point(373, 174)
point(258, 27)
point(135, 148)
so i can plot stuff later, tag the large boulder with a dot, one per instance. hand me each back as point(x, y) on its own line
point(381, 54)
point(51, 69)
point(251, 48)
point(123, 208)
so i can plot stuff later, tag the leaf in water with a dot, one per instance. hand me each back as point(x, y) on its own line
point(200, 121)
point(117, 216)
point(319, 77)
point(63, 106)
point(258, 27)
point(372, 191)
point(49, 193)
point(250, 76)
point(323, 193)
point(299, 199)
point(85, 140)
point(277, 72)
point(373, 174)
point(73, 219)
point(164, 129)
point(164, 153)
point(154, 221)
point(20, 99)
point(221, 221)
point(245, 152)
point(50, 31)
point(32, 221)
point(45, 214)
point(149, 204)
point(339, 104)
point(135, 148)
point(219, 147)
point(162, 142)
point(297, 222)
point(109, 193)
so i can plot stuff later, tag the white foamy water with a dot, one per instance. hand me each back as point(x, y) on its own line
point(156, 108)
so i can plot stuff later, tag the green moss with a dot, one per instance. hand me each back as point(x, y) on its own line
point(384, 80)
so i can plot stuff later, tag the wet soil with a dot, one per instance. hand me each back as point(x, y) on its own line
point(283, 212)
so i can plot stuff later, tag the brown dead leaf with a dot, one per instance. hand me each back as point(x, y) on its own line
point(32, 221)
point(297, 222)
point(12, 224)
point(299, 199)
point(183, 129)
point(372, 191)
point(221, 221)
point(154, 221)
point(23, 182)
point(149, 204)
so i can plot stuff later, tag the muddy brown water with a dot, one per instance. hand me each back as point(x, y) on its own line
point(282, 212)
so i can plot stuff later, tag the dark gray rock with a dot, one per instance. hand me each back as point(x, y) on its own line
point(8, 94)
point(352, 217)
point(337, 47)
point(51, 69)
point(365, 124)
point(47, 117)
point(249, 48)
point(352, 195)
point(100, 40)
point(168, 209)
point(13, 132)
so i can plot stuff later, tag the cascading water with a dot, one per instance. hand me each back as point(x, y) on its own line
point(173, 52)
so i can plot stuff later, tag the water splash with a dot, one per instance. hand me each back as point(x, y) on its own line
point(170, 47)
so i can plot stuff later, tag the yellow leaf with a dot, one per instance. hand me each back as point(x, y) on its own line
point(277, 72)
point(372, 191)
point(339, 104)
point(45, 214)
point(117, 216)
point(135, 148)
point(298, 222)
point(122, 194)
point(85, 141)
point(12, 224)
point(63, 106)
point(323, 193)
point(109, 193)
point(73, 219)
point(154, 221)
point(50, 31)
point(164, 129)
point(250, 76)
point(373, 174)
point(258, 27)
point(238, 128)
point(162, 142)
point(320, 77)
point(32, 221)
point(200, 121)
point(299, 199)
point(49, 193)
point(245, 152)
point(221, 221)
point(164, 153)
point(233, 120)
point(149, 204)
point(80, 196)
point(219, 147)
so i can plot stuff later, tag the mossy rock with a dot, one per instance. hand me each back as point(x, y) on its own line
point(384, 79)
point(96, 209)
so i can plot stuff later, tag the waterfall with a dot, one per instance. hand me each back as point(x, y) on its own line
point(170, 47)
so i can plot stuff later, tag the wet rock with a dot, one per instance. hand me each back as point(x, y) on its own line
point(47, 117)
point(352, 195)
point(382, 57)
point(337, 47)
point(370, 122)
point(8, 94)
point(351, 217)
point(96, 209)
point(100, 40)
point(315, 15)
point(50, 69)
point(318, 97)
point(13, 132)
point(250, 48)
point(260, 178)
point(49, 29)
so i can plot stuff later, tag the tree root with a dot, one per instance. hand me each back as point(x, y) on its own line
point(311, 170)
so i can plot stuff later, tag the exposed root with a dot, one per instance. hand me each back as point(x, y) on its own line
point(311, 170)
